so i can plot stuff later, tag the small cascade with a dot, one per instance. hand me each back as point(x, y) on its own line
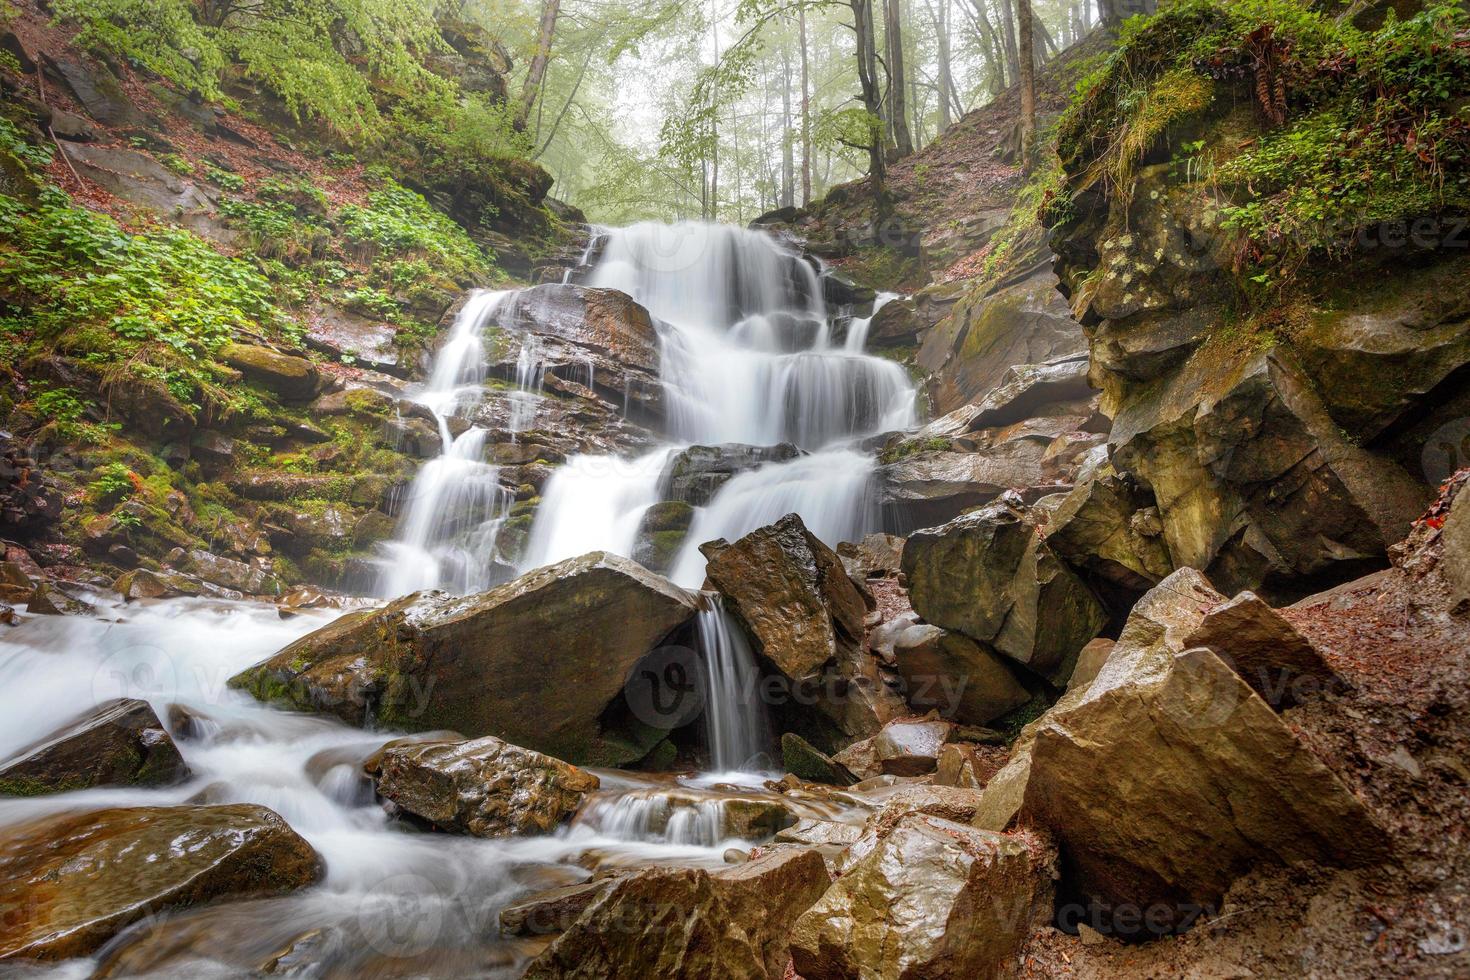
point(455, 507)
point(857, 331)
point(530, 376)
point(598, 503)
point(738, 729)
point(657, 817)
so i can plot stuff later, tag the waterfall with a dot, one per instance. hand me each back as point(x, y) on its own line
point(456, 505)
point(735, 717)
point(746, 356)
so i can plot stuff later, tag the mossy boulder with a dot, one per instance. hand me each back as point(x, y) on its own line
point(118, 743)
point(289, 377)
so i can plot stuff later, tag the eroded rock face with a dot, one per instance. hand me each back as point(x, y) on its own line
point(691, 923)
point(989, 576)
point(934, 898)
point(118, 743)
point(954, 675)
point(71, 882)
point(483, 787)
point(1110, 527)
point(1217, 784)
point(537, 661)
point(1256, 484)
point(696, 474)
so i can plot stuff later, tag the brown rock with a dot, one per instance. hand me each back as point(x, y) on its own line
point(484, 787)
point(117, 743)
point(1267, 652)
point(71, 882)
point(292, 378)
point(691, 924)
point(952, 674)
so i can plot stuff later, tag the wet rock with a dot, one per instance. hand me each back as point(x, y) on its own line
point(144, 584)
point(910, 748)
point(230, 574)
point(290, 377)
point(606, 320)
point(696, 474)
point(989, 576)
point(355, 339)
point(538, 661)
point(483, 787)
point(1456, 537)
point(137, 177)
point(691, 923)
point(118, 743)
point(820, 833)
point(1110, 527)
point(552, 911)
point(806, 617)
point(959, 765)
point(1267, 652)
point(801, 758)
point(15, 584)
point(1025, 388)
point(792, 593)
point(73, 881)
point(1090, 662)
point(955, 676)
point(1258, 487)
point(935, 486)
point(935, 898)
point(661, 533)
point(213, 448)
point(1217, 786)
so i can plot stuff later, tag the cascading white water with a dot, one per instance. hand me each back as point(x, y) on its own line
point(735, 717)
point(455, 506)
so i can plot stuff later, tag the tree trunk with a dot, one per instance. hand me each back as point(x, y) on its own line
point(806, 116)
point(1027, 75)
point(897, 83)
point(537, 70)
point(867, 59)
point(1008, 38)
point(788, 148)
point(943, 79)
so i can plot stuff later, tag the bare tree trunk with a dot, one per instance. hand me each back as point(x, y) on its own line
point(867, 58)
point(944, 80)
point(1008, 38)
point(537, 69)
point(788, 141)
point(1027, 65)
point(897, 83)
point(806, 116)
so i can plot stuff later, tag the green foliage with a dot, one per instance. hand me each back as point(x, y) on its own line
point(399, 222)
point(152, 305)
point(223, 179)
point(114, 482)
point(1356, 127)
point(67, 412)
point(12, 141)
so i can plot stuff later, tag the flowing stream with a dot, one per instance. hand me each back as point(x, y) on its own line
point(748, 355)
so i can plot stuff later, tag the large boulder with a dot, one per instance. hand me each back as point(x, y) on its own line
point(1266, 651)
point(138, 178)
point(97, 90)
point(540, 661)
point(118, 743)
point(989, 575)
point(484, 787)
point(691, 923)
point(1256, 484)
point(69, 883)
point(1216, 784)
point(934, 898)
point(806, 617)
point(936, 485)
point(606, 320)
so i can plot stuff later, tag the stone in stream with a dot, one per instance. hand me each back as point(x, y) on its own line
point(483, 787)
point(989, 576)
point(696, 474)
point(794, 597)
point(118, 743)
point(691, 924)
point(539, 661)
point(552, 911)
point(69, 883)
point(934, 898)
point(661, 532)
point(1192, 735)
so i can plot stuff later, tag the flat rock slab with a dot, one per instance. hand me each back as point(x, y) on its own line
point(118, 743)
